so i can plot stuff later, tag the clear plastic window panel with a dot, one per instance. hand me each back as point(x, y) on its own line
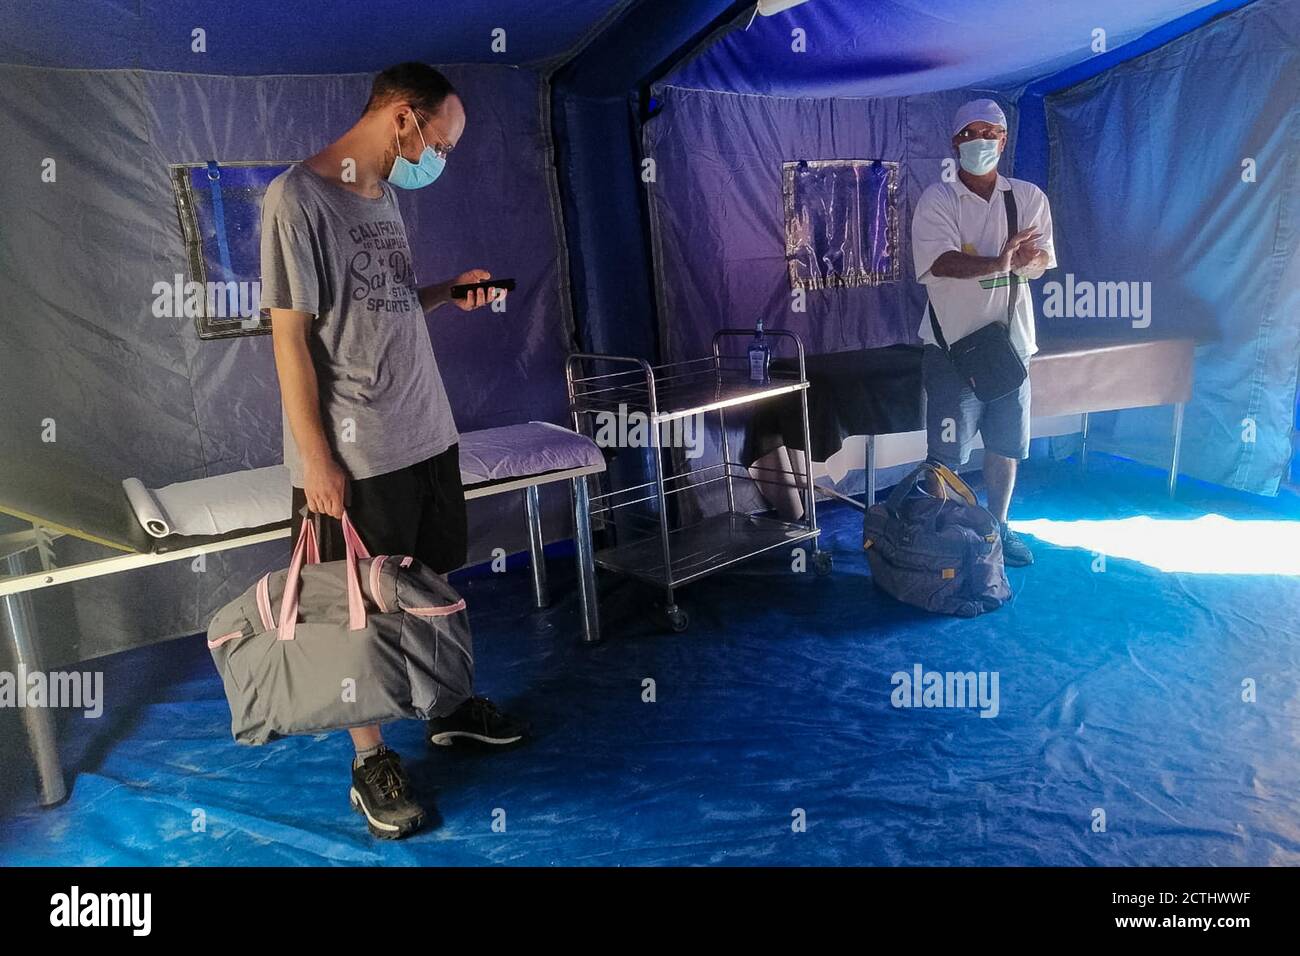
point(220, 210)
point(841, 222)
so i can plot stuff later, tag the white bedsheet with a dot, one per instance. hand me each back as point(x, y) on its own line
point(217, 505)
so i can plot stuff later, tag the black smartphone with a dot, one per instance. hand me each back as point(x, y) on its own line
point(461, 291)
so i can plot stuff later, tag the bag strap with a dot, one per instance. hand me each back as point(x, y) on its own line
point(1013, 281)
point(934, 327)
point(309, 546)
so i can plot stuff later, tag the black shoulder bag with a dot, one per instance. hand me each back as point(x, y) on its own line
point(986, 358)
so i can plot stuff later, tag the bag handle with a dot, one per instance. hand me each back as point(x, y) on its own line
point(950, 479)
point(946, 478)
point(355, 550)
point(307, 550)
point(904, 487)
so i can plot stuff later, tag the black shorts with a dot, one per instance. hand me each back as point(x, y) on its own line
point(417, 510)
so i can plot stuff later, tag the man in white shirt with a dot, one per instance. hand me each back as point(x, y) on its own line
point(967, 261)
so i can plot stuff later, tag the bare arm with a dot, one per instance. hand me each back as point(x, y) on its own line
point(961, 265)
point(432, 296)
point(323, 480)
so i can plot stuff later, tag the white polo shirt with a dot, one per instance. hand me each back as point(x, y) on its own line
point(951, 218)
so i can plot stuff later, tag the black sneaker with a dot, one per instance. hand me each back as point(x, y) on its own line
point(1015, 553)
point(381, 792)
point(478, 720)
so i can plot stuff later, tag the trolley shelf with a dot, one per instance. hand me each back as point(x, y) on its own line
point(684, 399)
point(703, 547)
point(639, 518)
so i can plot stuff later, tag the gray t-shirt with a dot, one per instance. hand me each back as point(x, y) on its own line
point(344, 258)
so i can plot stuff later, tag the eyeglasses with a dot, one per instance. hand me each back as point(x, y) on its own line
point(988, 132)
point(440, 149)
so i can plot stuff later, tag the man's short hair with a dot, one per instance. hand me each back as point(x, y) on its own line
point(416, 83)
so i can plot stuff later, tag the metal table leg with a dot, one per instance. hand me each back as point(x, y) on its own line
point(871, 470)
point(1083, 445)
point(726, 461)
point(536, 547)
point(811, 496)
point(18, 620)
point(1178, 444)
point(587, 598)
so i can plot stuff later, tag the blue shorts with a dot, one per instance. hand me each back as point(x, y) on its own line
point(953, 415)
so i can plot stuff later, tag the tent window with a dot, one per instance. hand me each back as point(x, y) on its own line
point(841, 222)
point(220, 210)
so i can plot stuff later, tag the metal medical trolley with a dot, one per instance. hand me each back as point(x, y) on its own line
point(645, 540)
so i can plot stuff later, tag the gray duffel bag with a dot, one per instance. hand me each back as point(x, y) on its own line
point(932, 545)
point(341, 644)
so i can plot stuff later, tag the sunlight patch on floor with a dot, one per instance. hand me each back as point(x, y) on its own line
point(1210, 544)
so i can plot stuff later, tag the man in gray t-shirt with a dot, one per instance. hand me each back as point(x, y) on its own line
point(343, 258)
point(366, 419)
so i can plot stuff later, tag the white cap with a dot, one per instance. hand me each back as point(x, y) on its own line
point(977, 110)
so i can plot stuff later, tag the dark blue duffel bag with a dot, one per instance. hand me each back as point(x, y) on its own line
point(932, 545)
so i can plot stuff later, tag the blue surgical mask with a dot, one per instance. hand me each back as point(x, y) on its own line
point(408, 175)
point(979, 156)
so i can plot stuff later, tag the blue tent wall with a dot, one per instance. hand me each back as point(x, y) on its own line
point(720, 224)
point(595, 110)
point(1147, 184)
point(1032, 154)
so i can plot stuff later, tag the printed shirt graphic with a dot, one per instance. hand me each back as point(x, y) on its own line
point(345, 259)
point(950, 217)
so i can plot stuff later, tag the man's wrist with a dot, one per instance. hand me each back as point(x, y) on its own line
point(432, 296)
point(317, 459)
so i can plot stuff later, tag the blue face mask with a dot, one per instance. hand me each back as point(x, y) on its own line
point(408, 175)
point(979, 156)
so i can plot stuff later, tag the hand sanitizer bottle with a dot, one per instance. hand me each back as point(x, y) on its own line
point(760, 357)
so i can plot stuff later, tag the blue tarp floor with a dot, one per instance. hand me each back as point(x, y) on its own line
point(1120, 690)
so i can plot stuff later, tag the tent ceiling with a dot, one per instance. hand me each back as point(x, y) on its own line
point(900, 47)
point(288, 36)
point(855, 48)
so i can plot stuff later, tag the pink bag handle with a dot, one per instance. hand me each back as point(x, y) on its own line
point(355, 549)
point(289, 601)
point(313, 547)
point(307, 551)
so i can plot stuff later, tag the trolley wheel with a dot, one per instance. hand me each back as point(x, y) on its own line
point(822, 563)
point(677, 618)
